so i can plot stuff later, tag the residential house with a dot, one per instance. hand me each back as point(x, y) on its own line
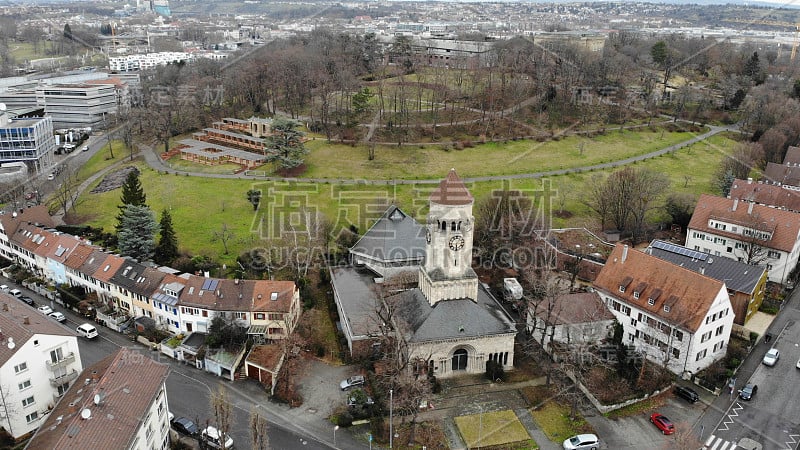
point(787, 174)
point(275, 309)
point(747, 232)
point(766, 194)
point(56, 255)
point(39, 359)
point(77, 257)
point(745, 283)
point(107, 291)
point(120, 404)
point(136, 284)
point(675, 316)
point(574, 320)
point(203, 298)
point(166, 311)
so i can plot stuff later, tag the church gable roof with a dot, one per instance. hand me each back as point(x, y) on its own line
point(395, 236)
point(452, 191)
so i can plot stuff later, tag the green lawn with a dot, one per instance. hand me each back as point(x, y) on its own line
point(103, 159)
point(553, 418)
point(492, 428)
point(200, 205)
point(329, 160)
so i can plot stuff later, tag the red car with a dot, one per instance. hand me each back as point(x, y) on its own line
point(662, 423)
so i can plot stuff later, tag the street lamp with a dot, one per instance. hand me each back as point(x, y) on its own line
point(390, 417)
point(334, 434)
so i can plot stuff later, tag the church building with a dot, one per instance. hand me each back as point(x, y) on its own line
point(449, 320)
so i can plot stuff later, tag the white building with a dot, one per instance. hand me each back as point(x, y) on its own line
point(79, 104)
point(748, 232)
point(119, 403)
point(575, 320)
point(39, 360)
point(675, 316)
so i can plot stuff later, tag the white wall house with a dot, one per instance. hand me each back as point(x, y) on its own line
point(39, 360)
point(111, 409)
point(747, 232)
point(675, 316)
point(574, 320)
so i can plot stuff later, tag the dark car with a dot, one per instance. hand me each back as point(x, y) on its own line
point(687, 394)
point(27, 300)
point(185, 426)
point(748, 391)
point(662, 423)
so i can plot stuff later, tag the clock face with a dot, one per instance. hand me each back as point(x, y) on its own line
point(456, 243)
point(428, 235)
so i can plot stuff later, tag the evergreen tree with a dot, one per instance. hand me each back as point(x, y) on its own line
point(659, 53)
point(167, 249)
point(137, 231)
point(67, 32)
point(132, 191)
point(132, 194)
point(287, 147)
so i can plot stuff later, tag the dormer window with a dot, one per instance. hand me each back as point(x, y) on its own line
point(651, 301)
point(624, 284)
point(635, 294)
point(621, 288)
point(666, 308)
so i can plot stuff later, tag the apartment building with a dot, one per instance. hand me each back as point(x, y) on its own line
point(39, 360)
point(29, 141)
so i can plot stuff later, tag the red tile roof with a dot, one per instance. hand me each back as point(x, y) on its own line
point(765, 194)
point(452, 191)
point(108, 268)
point(688, 294)
point(238, 295)
point(78, 256)
point(127, 383)
point(783, 225)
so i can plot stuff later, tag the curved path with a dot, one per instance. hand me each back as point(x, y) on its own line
point(155, 161)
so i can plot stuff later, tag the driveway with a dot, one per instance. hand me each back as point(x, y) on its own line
point(320, 387)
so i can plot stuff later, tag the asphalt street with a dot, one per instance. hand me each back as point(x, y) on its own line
point(772, 417)
point(189, 390)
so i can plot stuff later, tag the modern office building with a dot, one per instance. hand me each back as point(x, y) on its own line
point(28, 140)
point(79, 104)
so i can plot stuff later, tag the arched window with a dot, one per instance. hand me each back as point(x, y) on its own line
point(443, 226)
point(453, 226)
point(458, 227)
point(460, 359)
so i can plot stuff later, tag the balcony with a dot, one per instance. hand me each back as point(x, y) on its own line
point(63, 362)
point(68, 378)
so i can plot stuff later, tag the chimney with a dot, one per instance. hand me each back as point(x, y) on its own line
point(624, 253)
point(749, 181)
point(702, 271)
point(95, 377)
point(735, 204)
point(750, 208)
point(26, 320)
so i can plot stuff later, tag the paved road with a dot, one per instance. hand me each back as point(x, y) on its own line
point(189, 389)
point(772, 417)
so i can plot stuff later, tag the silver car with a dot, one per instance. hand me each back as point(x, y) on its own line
point(355, 380)
point(582, 441)
point(771, 357)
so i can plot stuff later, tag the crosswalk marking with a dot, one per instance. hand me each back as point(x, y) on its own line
point(715, 443)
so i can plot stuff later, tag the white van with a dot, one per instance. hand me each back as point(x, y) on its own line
point(210, 438)
point(87, 330)
point(4, 287)
point(16, 293)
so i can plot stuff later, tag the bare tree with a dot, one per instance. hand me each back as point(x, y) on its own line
point(756, 233)
point(223, 412)
point(224, 235)
point(258, 430)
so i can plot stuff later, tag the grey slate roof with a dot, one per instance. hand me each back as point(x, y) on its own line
point(451, 319)
point(396, 236)
point(355, 289)
point(736, 275)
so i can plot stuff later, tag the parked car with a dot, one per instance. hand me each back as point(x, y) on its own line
point(688, 394)
point(662, 423)
point(16, 293)
point(44, 309)
point(26, 299)
point(748, 391)
point(798, 364)
point(51, 177)
point(210, 438)
point(4, 287)
point(57, 316)
point(87, 330)
point(582, 441)
point(85, 148)
point(184, 426)
point(355, 380)
point(771, 357)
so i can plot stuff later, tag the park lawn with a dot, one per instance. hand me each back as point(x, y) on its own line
point(553, 418)
point(200, 205)
point(329, 160)
point(24, 51)
point(492, 428)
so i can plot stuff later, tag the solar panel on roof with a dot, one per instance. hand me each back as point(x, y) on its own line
point(213, 284)
point(680, 250)
point(206, 284)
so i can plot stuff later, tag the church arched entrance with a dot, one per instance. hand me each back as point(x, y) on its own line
point(460, 360)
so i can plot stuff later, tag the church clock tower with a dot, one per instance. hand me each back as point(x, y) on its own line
point(447, 273)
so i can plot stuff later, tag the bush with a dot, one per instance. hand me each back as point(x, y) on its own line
point(494, 371)
point(345, 419)
point(753, 337)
